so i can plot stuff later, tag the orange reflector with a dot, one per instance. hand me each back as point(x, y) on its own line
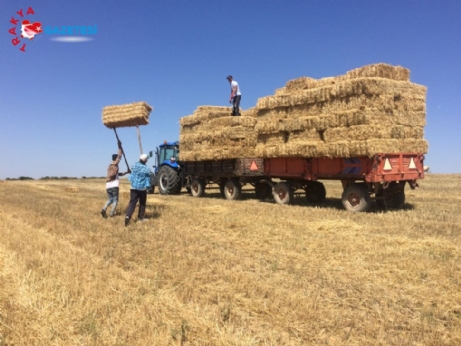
point(253, 166)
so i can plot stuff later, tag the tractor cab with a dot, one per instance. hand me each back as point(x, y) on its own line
point(166, 154)
point(167, 172)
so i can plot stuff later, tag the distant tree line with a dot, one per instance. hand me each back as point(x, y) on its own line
point(53, 178)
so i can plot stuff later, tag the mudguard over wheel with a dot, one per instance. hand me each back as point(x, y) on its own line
point(197, 187)
point(263, 190)
point(315, 192)
point(283, 193)
point(169, 182)
point(232, 189)
point(356, 198)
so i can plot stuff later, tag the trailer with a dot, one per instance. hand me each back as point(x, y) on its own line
point(381, 178)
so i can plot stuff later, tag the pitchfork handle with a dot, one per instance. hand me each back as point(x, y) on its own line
point(123, 153)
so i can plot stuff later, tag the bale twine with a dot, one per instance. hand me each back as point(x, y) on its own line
point(132, 114)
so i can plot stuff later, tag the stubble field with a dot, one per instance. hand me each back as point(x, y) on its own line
point(214, 272)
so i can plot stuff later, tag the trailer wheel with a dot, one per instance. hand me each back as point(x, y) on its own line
point(283, 193)
point(263, 190)
point(232, 189)
point(315, 192)
point(221, 189)
point(169, 182)
point(197, 187)
point(356, 198)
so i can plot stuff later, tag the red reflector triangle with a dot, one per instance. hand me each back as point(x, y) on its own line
point(253, 166)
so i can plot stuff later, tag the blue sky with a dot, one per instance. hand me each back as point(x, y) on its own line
point(175, 55)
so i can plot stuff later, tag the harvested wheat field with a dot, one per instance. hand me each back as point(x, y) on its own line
point(210, 271)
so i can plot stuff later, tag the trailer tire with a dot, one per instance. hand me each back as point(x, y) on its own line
point(283, 193)
point(197, 187)
point(263, 190)
point(169, 182)
point(221, 189)
point(315, 192)
point(232, 189)
point(356, 198)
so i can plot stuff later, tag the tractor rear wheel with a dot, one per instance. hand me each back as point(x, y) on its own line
point(169, 182)
point(283, 193)
point(356, 198)
point(232, 189)
point(197, 187)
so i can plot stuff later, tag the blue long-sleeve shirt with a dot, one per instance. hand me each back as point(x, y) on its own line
point(140, 176)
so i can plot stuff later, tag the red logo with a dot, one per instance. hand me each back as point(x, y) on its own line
point(28, 28)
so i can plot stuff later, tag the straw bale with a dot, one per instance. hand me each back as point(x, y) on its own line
point(72, 189)
point(398, 90)
point(366, 111)
point(132, 114)
point(364, 132)
point(220, 153)
point(380, 70)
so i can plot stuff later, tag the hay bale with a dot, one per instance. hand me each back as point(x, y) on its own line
point(131, 114)
point(370, 110)
point(72, 189)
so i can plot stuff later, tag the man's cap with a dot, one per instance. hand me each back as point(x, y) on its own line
point(143, 157)
point(229, 77)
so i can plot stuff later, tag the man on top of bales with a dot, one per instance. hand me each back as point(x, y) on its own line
point(235, 96)
point(112, 182)
point(140, 183)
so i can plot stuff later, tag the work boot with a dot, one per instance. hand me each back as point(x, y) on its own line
point(127, 221)
point(142, 220)
point(103, 213)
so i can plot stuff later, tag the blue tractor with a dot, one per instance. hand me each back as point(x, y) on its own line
point(167, 175)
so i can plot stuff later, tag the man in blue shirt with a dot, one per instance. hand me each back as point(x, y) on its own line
point(140, 183)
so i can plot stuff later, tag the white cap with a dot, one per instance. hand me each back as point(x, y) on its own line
point(143, 157)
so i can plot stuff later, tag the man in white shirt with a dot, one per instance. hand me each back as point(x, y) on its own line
point(112, 182)
point(235, 96)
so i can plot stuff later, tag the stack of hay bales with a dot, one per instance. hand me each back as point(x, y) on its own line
point(132, 114)
point(369, 110)
point(211, 133)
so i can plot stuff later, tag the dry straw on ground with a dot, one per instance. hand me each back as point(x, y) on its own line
point(369, 110)
point(131, 114)
point(207, 271)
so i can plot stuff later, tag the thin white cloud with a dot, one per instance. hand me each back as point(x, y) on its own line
point(72, 39)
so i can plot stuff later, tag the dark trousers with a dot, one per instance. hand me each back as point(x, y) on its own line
point(236, 105)
point(136, 195)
